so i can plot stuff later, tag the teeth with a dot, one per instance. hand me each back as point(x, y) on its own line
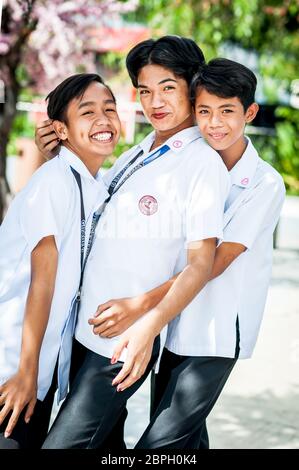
point(217, 136)
point(102, 136)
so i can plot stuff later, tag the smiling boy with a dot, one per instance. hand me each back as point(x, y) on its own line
point(222, 323)
point(40, 254)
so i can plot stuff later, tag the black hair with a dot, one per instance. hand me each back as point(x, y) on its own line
point(226, 79)
point(72, 87)
point(180, 55)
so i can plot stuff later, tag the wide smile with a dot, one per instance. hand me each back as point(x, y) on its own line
point(104, 137)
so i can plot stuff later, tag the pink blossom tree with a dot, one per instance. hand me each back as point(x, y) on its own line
point(42, 42)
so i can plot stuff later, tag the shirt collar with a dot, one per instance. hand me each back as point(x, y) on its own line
point(146, 143)
point(177, 142)
point(243, 171)
point(75, 162)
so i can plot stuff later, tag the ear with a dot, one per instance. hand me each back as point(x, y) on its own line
point(251, 112)
point(60, 130)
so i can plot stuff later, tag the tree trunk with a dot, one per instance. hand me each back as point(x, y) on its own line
point(7, 115)
point(8, 73)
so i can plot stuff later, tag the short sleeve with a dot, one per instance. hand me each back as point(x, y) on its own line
point(259, 211)
point(43, 211)
point(205, 204)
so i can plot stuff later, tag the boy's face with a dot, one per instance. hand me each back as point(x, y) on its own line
point(93, 126)
point(164, 98)
point(221, 121)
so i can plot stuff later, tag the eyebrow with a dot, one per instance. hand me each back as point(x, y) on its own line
point(92, 103)
point(227, 105)
point(160, 83)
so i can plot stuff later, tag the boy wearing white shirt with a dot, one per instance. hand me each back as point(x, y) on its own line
point(222, 322)
point(40, 254)
point(153, 213)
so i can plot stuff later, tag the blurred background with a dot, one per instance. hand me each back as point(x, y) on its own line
point(44, 41)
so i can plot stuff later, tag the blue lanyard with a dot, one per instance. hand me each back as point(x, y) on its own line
point(95, 219)
point(113, 188)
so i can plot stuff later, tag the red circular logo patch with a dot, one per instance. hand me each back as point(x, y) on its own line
point(177, 143)
point(148, 205)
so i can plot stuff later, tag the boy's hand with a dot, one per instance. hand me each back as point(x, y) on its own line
point(19, 391)
point(115, 316)
point(138, 340)
point(46, 139)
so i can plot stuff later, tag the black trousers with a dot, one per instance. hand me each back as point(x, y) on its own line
point(93, 407)
point(183, 394)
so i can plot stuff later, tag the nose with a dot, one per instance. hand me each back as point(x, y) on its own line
point(215, 120)
point(157, 100)
point(101, 118)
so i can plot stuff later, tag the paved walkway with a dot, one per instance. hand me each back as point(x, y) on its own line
point(259, 406)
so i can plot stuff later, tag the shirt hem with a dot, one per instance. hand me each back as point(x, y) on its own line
point(99, 351)
point(185, 351)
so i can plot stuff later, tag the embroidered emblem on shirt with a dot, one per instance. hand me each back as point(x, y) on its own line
point(148, 205)
point(245, 181)
point(177, 143)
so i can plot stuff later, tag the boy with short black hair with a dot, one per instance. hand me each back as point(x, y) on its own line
point(222, 323)
point(40, 254)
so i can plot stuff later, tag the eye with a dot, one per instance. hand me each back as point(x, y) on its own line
point(110, 110)
point(169, 87)
point(87, 112)
point(202, 111)
point(226, 111)
point(143, 92)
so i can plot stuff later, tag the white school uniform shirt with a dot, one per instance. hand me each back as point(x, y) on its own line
point(208, 325)
point(174, 200)
point(48, 205)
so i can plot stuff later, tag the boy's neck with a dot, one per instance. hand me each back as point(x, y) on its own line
point(233, 154)
point(162, 136)
point(93, 165)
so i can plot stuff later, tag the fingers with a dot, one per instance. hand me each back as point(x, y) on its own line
point(2, 399)
point(43, 132)
point(100, 330)
point(48, 137)
point(12, 421)
point(103, 313)
point(104, 321)
point(118, 350)
point(123, 373)
point(30, 410)
point(4, 412)
point(98, 321)
point(134, 375)
point(45, 123)
point(111, 332)
point(52, 145)
point(101, 308)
